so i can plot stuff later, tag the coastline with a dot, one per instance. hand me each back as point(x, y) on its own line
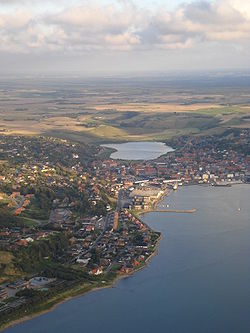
point(111, 284)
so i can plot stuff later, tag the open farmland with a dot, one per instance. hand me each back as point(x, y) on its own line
point(121, 109)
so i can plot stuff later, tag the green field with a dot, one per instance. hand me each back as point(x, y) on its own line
point(115, 126)
point(122, 110)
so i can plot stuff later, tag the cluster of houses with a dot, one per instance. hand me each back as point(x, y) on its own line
point(19, 202)
point(210, 160)
point(12, 238)
point(38, 162)
point(121, 242)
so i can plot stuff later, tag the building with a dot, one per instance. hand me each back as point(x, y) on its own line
point(19, 284)
point(3, 293)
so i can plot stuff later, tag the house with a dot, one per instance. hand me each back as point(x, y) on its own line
point(120, 242)
point(126, 270)
point(89, 228)
point(83, 261)
point(15, 194)
point(19, 210)
point(29, 239)
point(136, 263)
point(22, 242)
point(3, 293)
point(96, 271)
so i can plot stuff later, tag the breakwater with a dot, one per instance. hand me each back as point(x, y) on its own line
point(156, 210)
point(184, 211)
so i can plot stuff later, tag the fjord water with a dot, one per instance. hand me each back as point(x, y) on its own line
point(138, 150)
point(198, 283)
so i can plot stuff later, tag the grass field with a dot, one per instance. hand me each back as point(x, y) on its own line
point(114, 126)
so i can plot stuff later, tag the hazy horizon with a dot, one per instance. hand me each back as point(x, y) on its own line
point(168, 75)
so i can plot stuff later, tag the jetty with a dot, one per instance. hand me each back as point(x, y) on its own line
point(184, 211)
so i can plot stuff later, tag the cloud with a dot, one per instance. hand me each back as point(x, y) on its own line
point(92, 26)
point(18, 20)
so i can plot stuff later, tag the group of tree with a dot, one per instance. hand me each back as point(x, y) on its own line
point(31, 259)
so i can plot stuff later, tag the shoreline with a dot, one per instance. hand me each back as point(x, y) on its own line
point(111, 284)
point(110, 146)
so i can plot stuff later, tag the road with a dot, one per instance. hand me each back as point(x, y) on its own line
point(122, 195)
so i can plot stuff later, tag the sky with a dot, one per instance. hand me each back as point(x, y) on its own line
point(123, 35)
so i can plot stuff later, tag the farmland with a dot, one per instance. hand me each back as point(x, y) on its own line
point(94, 111)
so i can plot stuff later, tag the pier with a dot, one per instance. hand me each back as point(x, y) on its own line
point(184, 211)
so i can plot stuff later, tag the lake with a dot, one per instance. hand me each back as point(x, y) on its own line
point(138, 150)
point(198, 283)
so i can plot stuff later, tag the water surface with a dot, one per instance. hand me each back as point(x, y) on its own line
point(198, 283)
point(138, 150)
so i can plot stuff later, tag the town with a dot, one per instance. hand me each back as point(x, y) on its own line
point(70, 215)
